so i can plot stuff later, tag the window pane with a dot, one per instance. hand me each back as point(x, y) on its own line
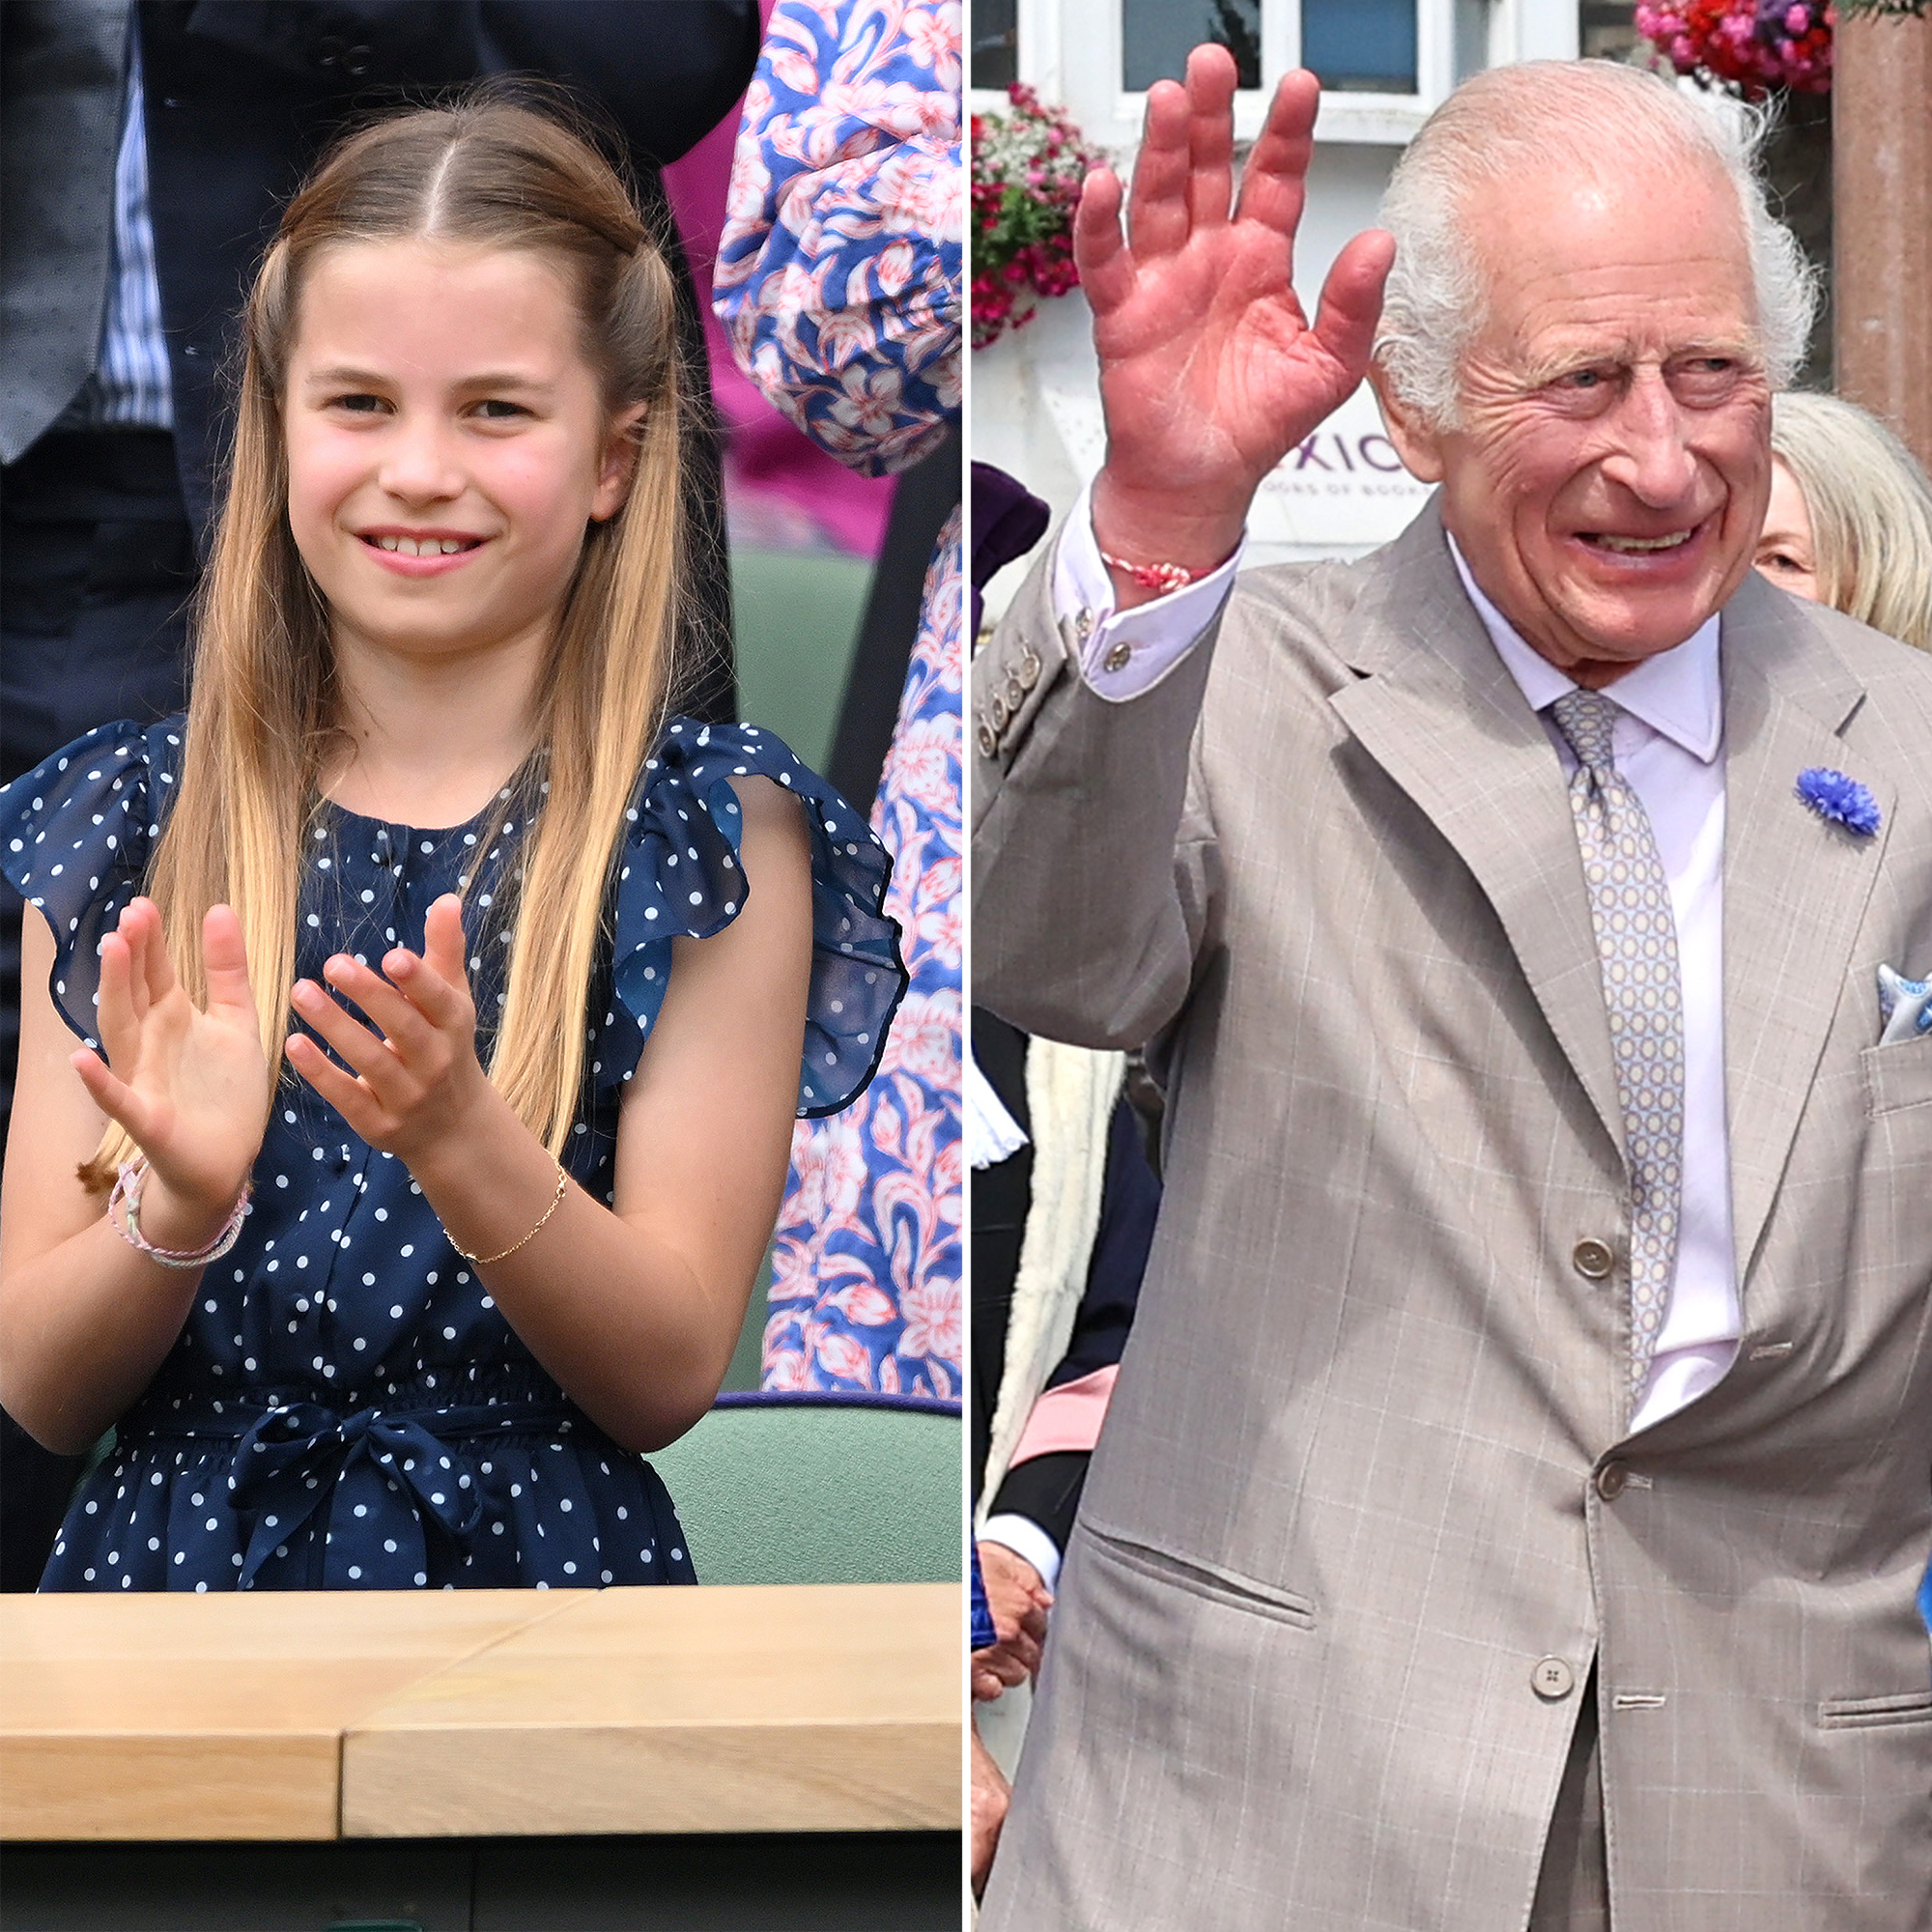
point(1606, 30)
point(995, 43)
point(1155, 36)
point(1360, 46)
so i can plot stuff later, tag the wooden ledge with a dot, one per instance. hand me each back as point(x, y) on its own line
point(472, 1713)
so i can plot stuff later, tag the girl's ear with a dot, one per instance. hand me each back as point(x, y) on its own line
point(619, 465)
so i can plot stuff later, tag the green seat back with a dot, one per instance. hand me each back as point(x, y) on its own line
point(784, 1489)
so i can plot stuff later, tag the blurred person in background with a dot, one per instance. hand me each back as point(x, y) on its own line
point(840, 281)
point(146, 150)
point(1850, 521)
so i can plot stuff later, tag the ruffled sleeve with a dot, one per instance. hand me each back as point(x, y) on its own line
point(75, 833)
point(680, 876)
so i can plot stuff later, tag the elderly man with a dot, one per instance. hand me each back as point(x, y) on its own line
point(1514, 1496)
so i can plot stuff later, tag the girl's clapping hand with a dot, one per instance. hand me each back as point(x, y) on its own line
point(190, 1085)
point(418, 1079)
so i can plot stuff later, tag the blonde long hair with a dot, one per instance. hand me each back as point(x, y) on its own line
point(497, 168)
point(1870, 506)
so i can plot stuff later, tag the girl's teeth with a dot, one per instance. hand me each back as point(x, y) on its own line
point(426, 546)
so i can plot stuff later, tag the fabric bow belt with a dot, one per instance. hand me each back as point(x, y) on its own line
point(292, 1458)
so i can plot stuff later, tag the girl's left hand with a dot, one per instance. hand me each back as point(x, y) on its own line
point(418, 1080)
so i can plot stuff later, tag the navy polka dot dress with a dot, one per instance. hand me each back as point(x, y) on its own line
point(345, 1407)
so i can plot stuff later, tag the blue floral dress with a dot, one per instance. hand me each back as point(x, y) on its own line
point(345, 1406)
point(839, 280)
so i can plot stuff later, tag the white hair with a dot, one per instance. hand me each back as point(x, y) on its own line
point(1517, 125)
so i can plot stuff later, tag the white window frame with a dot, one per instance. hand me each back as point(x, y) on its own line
point(1070, 51)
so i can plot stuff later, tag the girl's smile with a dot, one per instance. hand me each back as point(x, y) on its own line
point(422, 553)
point(447, 445)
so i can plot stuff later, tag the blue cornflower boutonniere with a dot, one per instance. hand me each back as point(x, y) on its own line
point(1843, 801)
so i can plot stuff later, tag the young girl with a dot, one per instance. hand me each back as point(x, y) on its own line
point(362, 1313)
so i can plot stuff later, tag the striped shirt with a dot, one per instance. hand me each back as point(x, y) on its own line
point(130, 386)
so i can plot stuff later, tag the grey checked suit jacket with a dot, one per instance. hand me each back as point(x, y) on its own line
point(1364, 1469)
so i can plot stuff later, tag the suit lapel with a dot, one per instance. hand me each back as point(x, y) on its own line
point(1796, 887)
point(1441, 713)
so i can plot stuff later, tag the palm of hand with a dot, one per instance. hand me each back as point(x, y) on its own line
point(203, 1078)
point(1208, 365)
point(189, 1084)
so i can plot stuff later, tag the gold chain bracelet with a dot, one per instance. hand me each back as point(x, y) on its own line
point(557, 1201)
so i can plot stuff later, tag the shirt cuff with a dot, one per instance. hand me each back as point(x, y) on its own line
point(1025, 1538)
point(1123, 653)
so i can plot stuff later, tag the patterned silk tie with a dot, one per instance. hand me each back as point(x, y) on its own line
point(1636, 951)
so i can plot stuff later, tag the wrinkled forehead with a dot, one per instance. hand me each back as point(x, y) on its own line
point(1588, 256)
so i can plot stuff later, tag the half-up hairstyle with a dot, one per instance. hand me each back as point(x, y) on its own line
point(499, 167)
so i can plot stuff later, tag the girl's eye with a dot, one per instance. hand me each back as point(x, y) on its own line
point(496, 410)
point(358, 405)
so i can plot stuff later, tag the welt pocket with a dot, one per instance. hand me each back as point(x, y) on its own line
point(1219, 1585)
point(1863, 1714)
point(1898, 1076)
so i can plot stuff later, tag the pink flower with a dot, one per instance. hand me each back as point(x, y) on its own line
point(863, 1305)
point(845, 1357)
point(931, 1308)
point(924, 1038)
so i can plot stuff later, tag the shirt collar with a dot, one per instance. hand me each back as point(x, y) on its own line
point(1677, 692)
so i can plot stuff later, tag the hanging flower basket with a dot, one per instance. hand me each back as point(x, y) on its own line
point(1028, 166)
point(1753, 47)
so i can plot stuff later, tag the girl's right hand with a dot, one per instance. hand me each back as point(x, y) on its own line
point(191, 1087)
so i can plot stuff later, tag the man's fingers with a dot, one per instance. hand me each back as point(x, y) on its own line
point(1275, 183)
point(1351, 301)
point(1212, 80)
point(1157, 208)
point(1100, 249)
point(224, 959)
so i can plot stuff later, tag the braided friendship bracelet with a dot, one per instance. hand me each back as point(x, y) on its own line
point(556, 1202)
point(1160, 577)
point(127, 1195)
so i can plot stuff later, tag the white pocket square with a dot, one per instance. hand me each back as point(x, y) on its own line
point(1904, 1006)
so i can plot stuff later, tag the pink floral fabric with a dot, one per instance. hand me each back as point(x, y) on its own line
point(839, 279)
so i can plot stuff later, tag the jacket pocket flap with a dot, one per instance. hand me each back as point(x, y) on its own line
point(1845, 1713)
point(1898, 1075)
point(1206, 1580)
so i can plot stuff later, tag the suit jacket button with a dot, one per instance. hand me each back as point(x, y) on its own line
point(1030, 668)
point(999, 711)
point(1015, 692)
point(1552, 1678)
point(1611, 1481)
point(1592, 1259)
point(989, 739)
point(1118, 658)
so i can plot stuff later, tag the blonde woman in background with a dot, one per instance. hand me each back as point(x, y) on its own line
point(1850, 518)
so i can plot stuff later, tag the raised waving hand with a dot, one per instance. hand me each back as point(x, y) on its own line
point(1210, 370)
point(190, 1084)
